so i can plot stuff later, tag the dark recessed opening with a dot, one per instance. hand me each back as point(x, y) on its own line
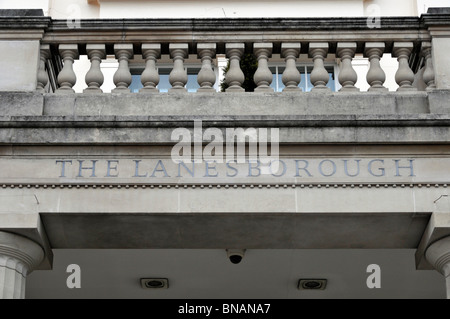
point(154, 284)
point(235, 259)
point(312, 285)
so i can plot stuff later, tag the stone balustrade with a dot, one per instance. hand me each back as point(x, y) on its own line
point(318, 52)
point(410, 40)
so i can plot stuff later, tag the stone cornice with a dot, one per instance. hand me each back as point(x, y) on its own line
point(241, 24)
point(217, 29)
point(421, 129)
point(223, 121)
point(429, 20)
point(23, 28)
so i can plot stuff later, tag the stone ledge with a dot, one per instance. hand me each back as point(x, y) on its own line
point(224, 104)
point(302, 118)
point(239, 104)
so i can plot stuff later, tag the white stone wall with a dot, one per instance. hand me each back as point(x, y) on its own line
point(60, 9)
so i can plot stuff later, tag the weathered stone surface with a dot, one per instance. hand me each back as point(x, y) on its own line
point(21, 103)
point(305, 117)
point(235, 105)
point(439, 102)
point(19, 61)
point(21, 13)
point(439, 10)
point(341, 129)
point(219, 231)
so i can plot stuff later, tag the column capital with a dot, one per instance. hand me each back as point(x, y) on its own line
point(438, 255)
point(438, 227)
point(19, 256)
point(25, 250)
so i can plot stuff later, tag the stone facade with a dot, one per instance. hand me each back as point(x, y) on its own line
point(95, 170)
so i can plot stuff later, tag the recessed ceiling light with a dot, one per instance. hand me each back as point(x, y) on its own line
point(312, 284)
point(155, 283)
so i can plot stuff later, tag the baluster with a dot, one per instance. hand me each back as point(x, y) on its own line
point(42, 76)
point(94, 77)
point(291, 76)
point(234, 77)
point(319, 75)
point(375, 76)
point(178, 76)
point(206, 77)
point(122, 78)
point(428, 74)
point(404, 76)
point(150, 77)
point(347, 75)
point(263, 77)
point(67, 77)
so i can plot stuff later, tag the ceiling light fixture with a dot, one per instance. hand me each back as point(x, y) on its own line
point(154, 283)
point(312, 284)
